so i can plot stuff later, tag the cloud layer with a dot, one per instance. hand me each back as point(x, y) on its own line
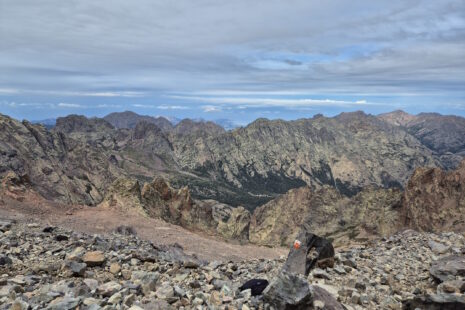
point(208, 55)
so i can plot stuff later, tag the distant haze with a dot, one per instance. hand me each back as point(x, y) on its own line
point(231, 61)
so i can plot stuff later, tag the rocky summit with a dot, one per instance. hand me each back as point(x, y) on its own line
point(47, 267)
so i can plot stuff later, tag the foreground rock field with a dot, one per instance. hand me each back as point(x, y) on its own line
point(53, 268)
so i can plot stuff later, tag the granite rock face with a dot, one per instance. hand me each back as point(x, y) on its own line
point(321, 166)
point(434, 200)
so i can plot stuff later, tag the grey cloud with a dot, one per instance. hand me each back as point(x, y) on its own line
point(135, 48)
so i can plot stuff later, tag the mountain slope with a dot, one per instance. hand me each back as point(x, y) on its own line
point(444, 134)
point(60, 168)
point(349, 151)
point(325, 212)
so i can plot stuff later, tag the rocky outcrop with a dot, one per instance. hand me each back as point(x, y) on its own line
point(236, 226)
point(163, 201)
point(325, 212)
point(449, 268)
point(125, 195)
point(159, 200)
point(244, 167)
point(434, 200)
point(449, 295)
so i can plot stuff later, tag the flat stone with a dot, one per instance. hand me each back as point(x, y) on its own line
point(78, 269)
point(115, 268)
point(147, 280)
point(320, 273)
point(109, 288)
point(91, 283)
point(436, 302)
point(438, 248)
point(95, 258)
point(115, 299)
point(165, 291)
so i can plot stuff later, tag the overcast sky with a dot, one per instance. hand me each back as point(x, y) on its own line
point(235, 59)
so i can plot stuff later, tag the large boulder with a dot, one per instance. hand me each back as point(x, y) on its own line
point(448, 268)
point(292, 291)
point(288, 291)
point(307, 250)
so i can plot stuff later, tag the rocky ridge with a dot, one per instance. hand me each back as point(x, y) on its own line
point(244, 167)
point(441, 133)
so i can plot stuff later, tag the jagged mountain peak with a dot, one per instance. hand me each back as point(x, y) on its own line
point(397, 118)
point(129, 119)
point(80, 123)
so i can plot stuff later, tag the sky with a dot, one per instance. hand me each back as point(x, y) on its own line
point(237, 60)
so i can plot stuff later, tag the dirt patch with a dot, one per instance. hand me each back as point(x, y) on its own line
point(104, 221)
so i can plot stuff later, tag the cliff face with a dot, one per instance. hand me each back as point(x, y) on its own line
point(340, 176)
point(325, 212)
point(434, 200)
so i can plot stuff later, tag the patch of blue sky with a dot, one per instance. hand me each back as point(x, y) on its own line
point(279, 60)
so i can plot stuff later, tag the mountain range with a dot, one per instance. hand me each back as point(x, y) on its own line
point(346, 177)
point(247, 166)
